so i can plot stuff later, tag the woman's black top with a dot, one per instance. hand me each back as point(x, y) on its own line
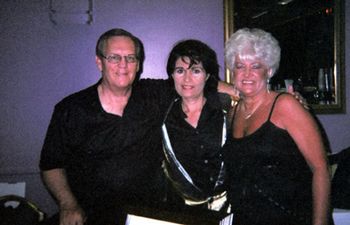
point(197, 149)
point(269, 181)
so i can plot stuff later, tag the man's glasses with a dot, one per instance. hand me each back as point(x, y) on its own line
point(115, 59)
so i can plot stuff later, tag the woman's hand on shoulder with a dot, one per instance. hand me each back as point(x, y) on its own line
point(300, 98)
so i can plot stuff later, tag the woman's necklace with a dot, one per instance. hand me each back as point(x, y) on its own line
point(253, 111)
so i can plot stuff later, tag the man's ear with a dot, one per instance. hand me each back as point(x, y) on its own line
point(138, 67)
point(98, 63)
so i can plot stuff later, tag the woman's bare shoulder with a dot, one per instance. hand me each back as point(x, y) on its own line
point(287, 100)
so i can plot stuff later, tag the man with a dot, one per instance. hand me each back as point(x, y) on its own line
point(102, 150)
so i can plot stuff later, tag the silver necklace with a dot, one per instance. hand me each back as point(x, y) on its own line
point(252, 112)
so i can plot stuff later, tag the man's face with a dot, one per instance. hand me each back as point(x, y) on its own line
point(121, 74)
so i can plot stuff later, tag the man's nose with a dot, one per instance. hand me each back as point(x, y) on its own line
point(123, 62)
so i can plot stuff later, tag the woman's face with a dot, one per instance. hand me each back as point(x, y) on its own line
point(189, 82)
point(250, 76)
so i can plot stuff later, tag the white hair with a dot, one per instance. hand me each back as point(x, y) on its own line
point(253, 44)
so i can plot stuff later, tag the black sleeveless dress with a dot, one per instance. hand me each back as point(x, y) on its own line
point(269, 181)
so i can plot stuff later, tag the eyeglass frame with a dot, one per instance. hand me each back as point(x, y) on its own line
point(126, 58)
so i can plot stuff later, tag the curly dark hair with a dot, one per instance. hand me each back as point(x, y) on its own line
point(197, 52)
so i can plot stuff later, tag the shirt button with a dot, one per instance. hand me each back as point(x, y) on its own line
point(211, 179)
point(206, 161)
point(202, 146)
point(197, 132)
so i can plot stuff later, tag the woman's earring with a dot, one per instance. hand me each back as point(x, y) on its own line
point(208, 75)
point(268, 86)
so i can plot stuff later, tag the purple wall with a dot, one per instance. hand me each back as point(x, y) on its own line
point(40, 63)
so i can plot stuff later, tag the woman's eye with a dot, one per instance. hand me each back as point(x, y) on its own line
point(256, 66)
point(196, 71)
point(179, 71)
point(239, 66)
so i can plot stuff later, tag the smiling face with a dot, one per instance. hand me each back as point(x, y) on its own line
point(189, 81)
point(118, 75)
point(250, 75)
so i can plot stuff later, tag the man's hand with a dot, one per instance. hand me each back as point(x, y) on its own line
point(230, 90)
point(70, 211)
point(72, 216)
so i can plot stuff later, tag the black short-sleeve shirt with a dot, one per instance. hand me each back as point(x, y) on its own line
point(106, 156)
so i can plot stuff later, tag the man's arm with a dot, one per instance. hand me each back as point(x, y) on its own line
point(70, 211)
point(229, 89)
